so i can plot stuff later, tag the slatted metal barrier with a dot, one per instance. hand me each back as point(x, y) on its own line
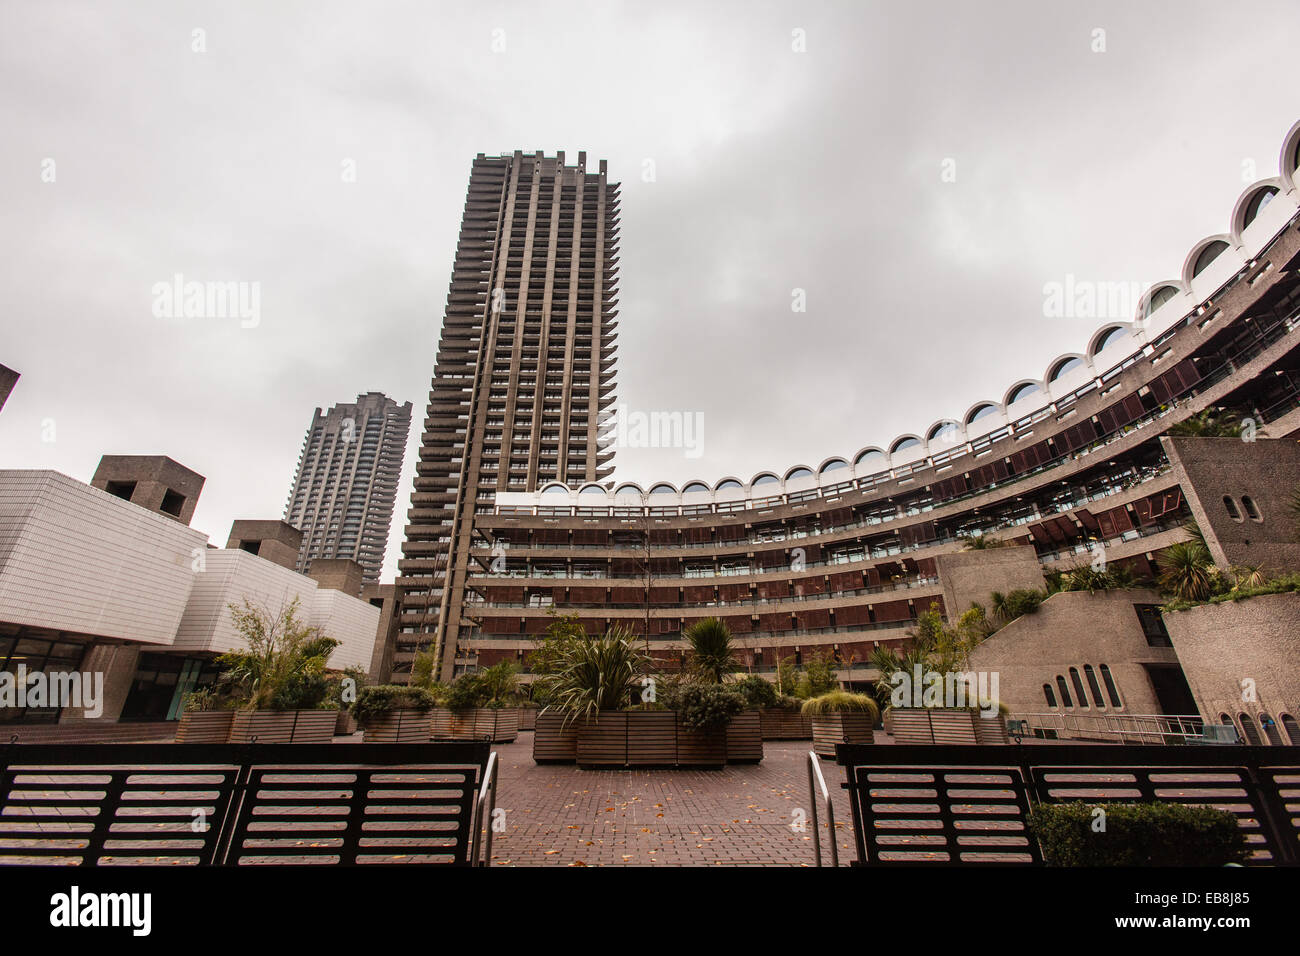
point(241, 805)
point(916, 805)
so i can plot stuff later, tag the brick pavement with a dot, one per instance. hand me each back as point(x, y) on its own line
point(559, 815)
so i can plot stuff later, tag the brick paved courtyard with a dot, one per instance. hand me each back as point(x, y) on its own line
point(558, 815)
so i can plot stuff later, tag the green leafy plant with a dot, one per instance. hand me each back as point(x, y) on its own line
point(594, 674)
point(377, 701)
point(818, 676)
point(1137, 834)
point(707, 707)
point(841, 702)
point(1186, 571)
point(935, 646)
point(1209, 423)
point(712, 655)
point(284, 665)
point(982, 542)
point(206, 699)
point(758, 691)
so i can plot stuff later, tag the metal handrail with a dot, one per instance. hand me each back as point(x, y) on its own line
point(1143, 728)
point(815, 782)
point(487, 795)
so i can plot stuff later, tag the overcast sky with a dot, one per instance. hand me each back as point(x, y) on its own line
point(223, 155)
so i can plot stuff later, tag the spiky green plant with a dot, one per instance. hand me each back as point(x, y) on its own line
point(1209, 423)
point(712, 655)
point(841, 702)
point(593, 675)
point(1186, 571)
point(283, 667)
point(982, 542)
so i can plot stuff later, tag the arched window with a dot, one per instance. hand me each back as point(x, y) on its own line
point(1064, 368)
point(663, 490)
point(1065, 691)
point(869, 461)
point(1292, 728)
point(1093, 686)
point(1249, 503)
point(695, 486)
point(979, 412)
point(1208, 255)
point(1022, 391)
point(1161, 296)
point(555, 491)
point(763, 481)
point(1270, 729)
point(1047, 692)
point(730, 485)
point(1231, 507)
point(835, 464)
point(903, 444)
point(1110, 338)
point(1248, 730)
point(944, 433)
point(1257, 204)
point(1078, 687)
point(1112, 691)
point(798, 473)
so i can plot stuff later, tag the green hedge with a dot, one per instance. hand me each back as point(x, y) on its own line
point(1137, 834)
point(373, 702)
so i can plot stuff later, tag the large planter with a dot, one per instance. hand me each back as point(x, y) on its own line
point(527, 718)
point(553, 740)
point(645, 738)
point(478, 723)
point(346, 725)
point(745, 738)
point(934, 725)
point(204, 727)
point(778, 723)
point(283, 726)
point(404, 725)
point(847, 728)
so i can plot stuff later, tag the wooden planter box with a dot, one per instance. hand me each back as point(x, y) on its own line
point(204, 727)
point(780, 724)
point(347, 724)
point(991, 730)
point(405, 725)
point(831, 729)
point(745, 738)
point(480, 723)
point(553, 742)
point(934, 725)
point(283, 726)
point(527, 718)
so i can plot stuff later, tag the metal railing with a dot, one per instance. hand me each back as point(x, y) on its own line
point(485, 809)
point(1123, 728)
point(817, 788)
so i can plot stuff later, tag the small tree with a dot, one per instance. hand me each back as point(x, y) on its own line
point(712, 655)
point(284, 665)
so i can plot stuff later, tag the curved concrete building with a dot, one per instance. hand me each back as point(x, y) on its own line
point(842, 554)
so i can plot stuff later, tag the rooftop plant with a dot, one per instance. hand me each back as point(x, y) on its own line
point(594, 674)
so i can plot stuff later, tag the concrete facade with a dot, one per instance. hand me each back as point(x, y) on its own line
point(1071, 632)
point(8, 379)
point(153, 482)
point(338, 574)
point(1240, 494)
point(1240, 660)
point(276, 541)
point(971, 577)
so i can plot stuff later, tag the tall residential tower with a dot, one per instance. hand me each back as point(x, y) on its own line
point(342, 497)
point(525, 365)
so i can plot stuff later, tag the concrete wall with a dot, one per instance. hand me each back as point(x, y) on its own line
point(1265, 470)
point(350, 620)
point(154, 476)
point(74, 558)
point(1071, 629)
point(276, 541)
point(1222, 645)
point(337, 574)
point(971, 576)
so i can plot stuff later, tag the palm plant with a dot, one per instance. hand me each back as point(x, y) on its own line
point(594, 675)
point(1209, 423)
point(982, 542)
point(712, 655)
point(1186, 571)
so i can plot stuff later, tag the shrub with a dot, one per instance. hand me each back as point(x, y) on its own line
point(375, 702)
point(758, 691)
point(206, 699)
point(593, 675)
point(708, 706)
point(841, 702)
point(284, 665)
point(1137, 834)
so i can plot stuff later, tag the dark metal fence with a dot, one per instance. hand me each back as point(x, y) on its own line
point(970, 804)
point(221, 804)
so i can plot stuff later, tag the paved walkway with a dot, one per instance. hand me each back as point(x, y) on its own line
point(558, 815)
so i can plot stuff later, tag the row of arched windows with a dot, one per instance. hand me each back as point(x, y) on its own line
point(1076, 683)
point(1266, 730)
